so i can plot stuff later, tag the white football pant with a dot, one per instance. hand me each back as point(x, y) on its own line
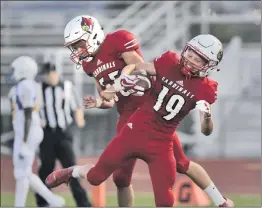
point(23, 170)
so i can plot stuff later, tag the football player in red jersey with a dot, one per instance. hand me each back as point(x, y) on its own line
point(103, 57)
point(81, 55)
point(177, 93)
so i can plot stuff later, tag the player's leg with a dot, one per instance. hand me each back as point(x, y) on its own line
point(122, 179)
point(196, 172)
point(22, 167)
point(34, 139)
point(122, 176)
point(21, 186)
point(21, 191)
point(116, 152)
point(162, 169)
point(23, 172)
point(47, 158)
point(66, 155)
point(40, 188)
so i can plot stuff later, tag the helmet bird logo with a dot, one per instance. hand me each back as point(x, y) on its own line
point(87, 24)
point(220, 55)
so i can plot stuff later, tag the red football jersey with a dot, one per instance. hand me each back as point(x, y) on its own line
point(172, 96)
point(107, 66)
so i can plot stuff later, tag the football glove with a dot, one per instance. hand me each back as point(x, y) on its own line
point(126, 82)
point(204, 107)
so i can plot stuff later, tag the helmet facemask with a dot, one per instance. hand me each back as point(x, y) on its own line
point(83, 48)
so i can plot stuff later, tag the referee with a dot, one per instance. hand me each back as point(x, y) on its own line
point(61, 106)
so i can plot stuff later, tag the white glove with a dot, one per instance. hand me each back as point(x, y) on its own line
point(204, 107)
point(126, 82)
point(24, 151)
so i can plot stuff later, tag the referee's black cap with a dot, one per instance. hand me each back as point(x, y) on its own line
point(47, 67)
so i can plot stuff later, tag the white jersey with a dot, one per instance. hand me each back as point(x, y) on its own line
point(26, 94)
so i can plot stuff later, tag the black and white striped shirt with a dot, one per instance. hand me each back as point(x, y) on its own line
point(58, 104)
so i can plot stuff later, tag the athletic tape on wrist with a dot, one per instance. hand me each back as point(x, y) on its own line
point(98, 102)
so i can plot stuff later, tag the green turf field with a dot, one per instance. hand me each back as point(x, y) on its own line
point(7, 199)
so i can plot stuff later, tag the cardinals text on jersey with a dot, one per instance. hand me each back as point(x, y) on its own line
point(169, 102)
point(108, 64)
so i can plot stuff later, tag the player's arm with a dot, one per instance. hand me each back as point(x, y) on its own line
point(131, 57)
point(126, 47)
point(127, 70)
point(145, 66)
point(102, 104)
point(12, 108)
point(26, 96)
point(206, 122)
point(126, 80)
point(151, 68)
point(97, 102)
point(28, 119)
point(204, 107)
point(12, 105)
point(130, 80)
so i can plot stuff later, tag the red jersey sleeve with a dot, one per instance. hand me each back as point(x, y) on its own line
point(166, 60)
point(125, 41)
point(211, 92)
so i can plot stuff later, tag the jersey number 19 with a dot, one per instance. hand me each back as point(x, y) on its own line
point(173, 106)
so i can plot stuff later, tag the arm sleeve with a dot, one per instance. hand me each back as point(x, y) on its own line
point(125, 41)
point(212, 92)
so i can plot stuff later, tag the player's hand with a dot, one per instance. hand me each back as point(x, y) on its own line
point(204, 107)
point(24, 151)
point(109, 93)
point(127, 82)
point(115, 96)
point(90, 101)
